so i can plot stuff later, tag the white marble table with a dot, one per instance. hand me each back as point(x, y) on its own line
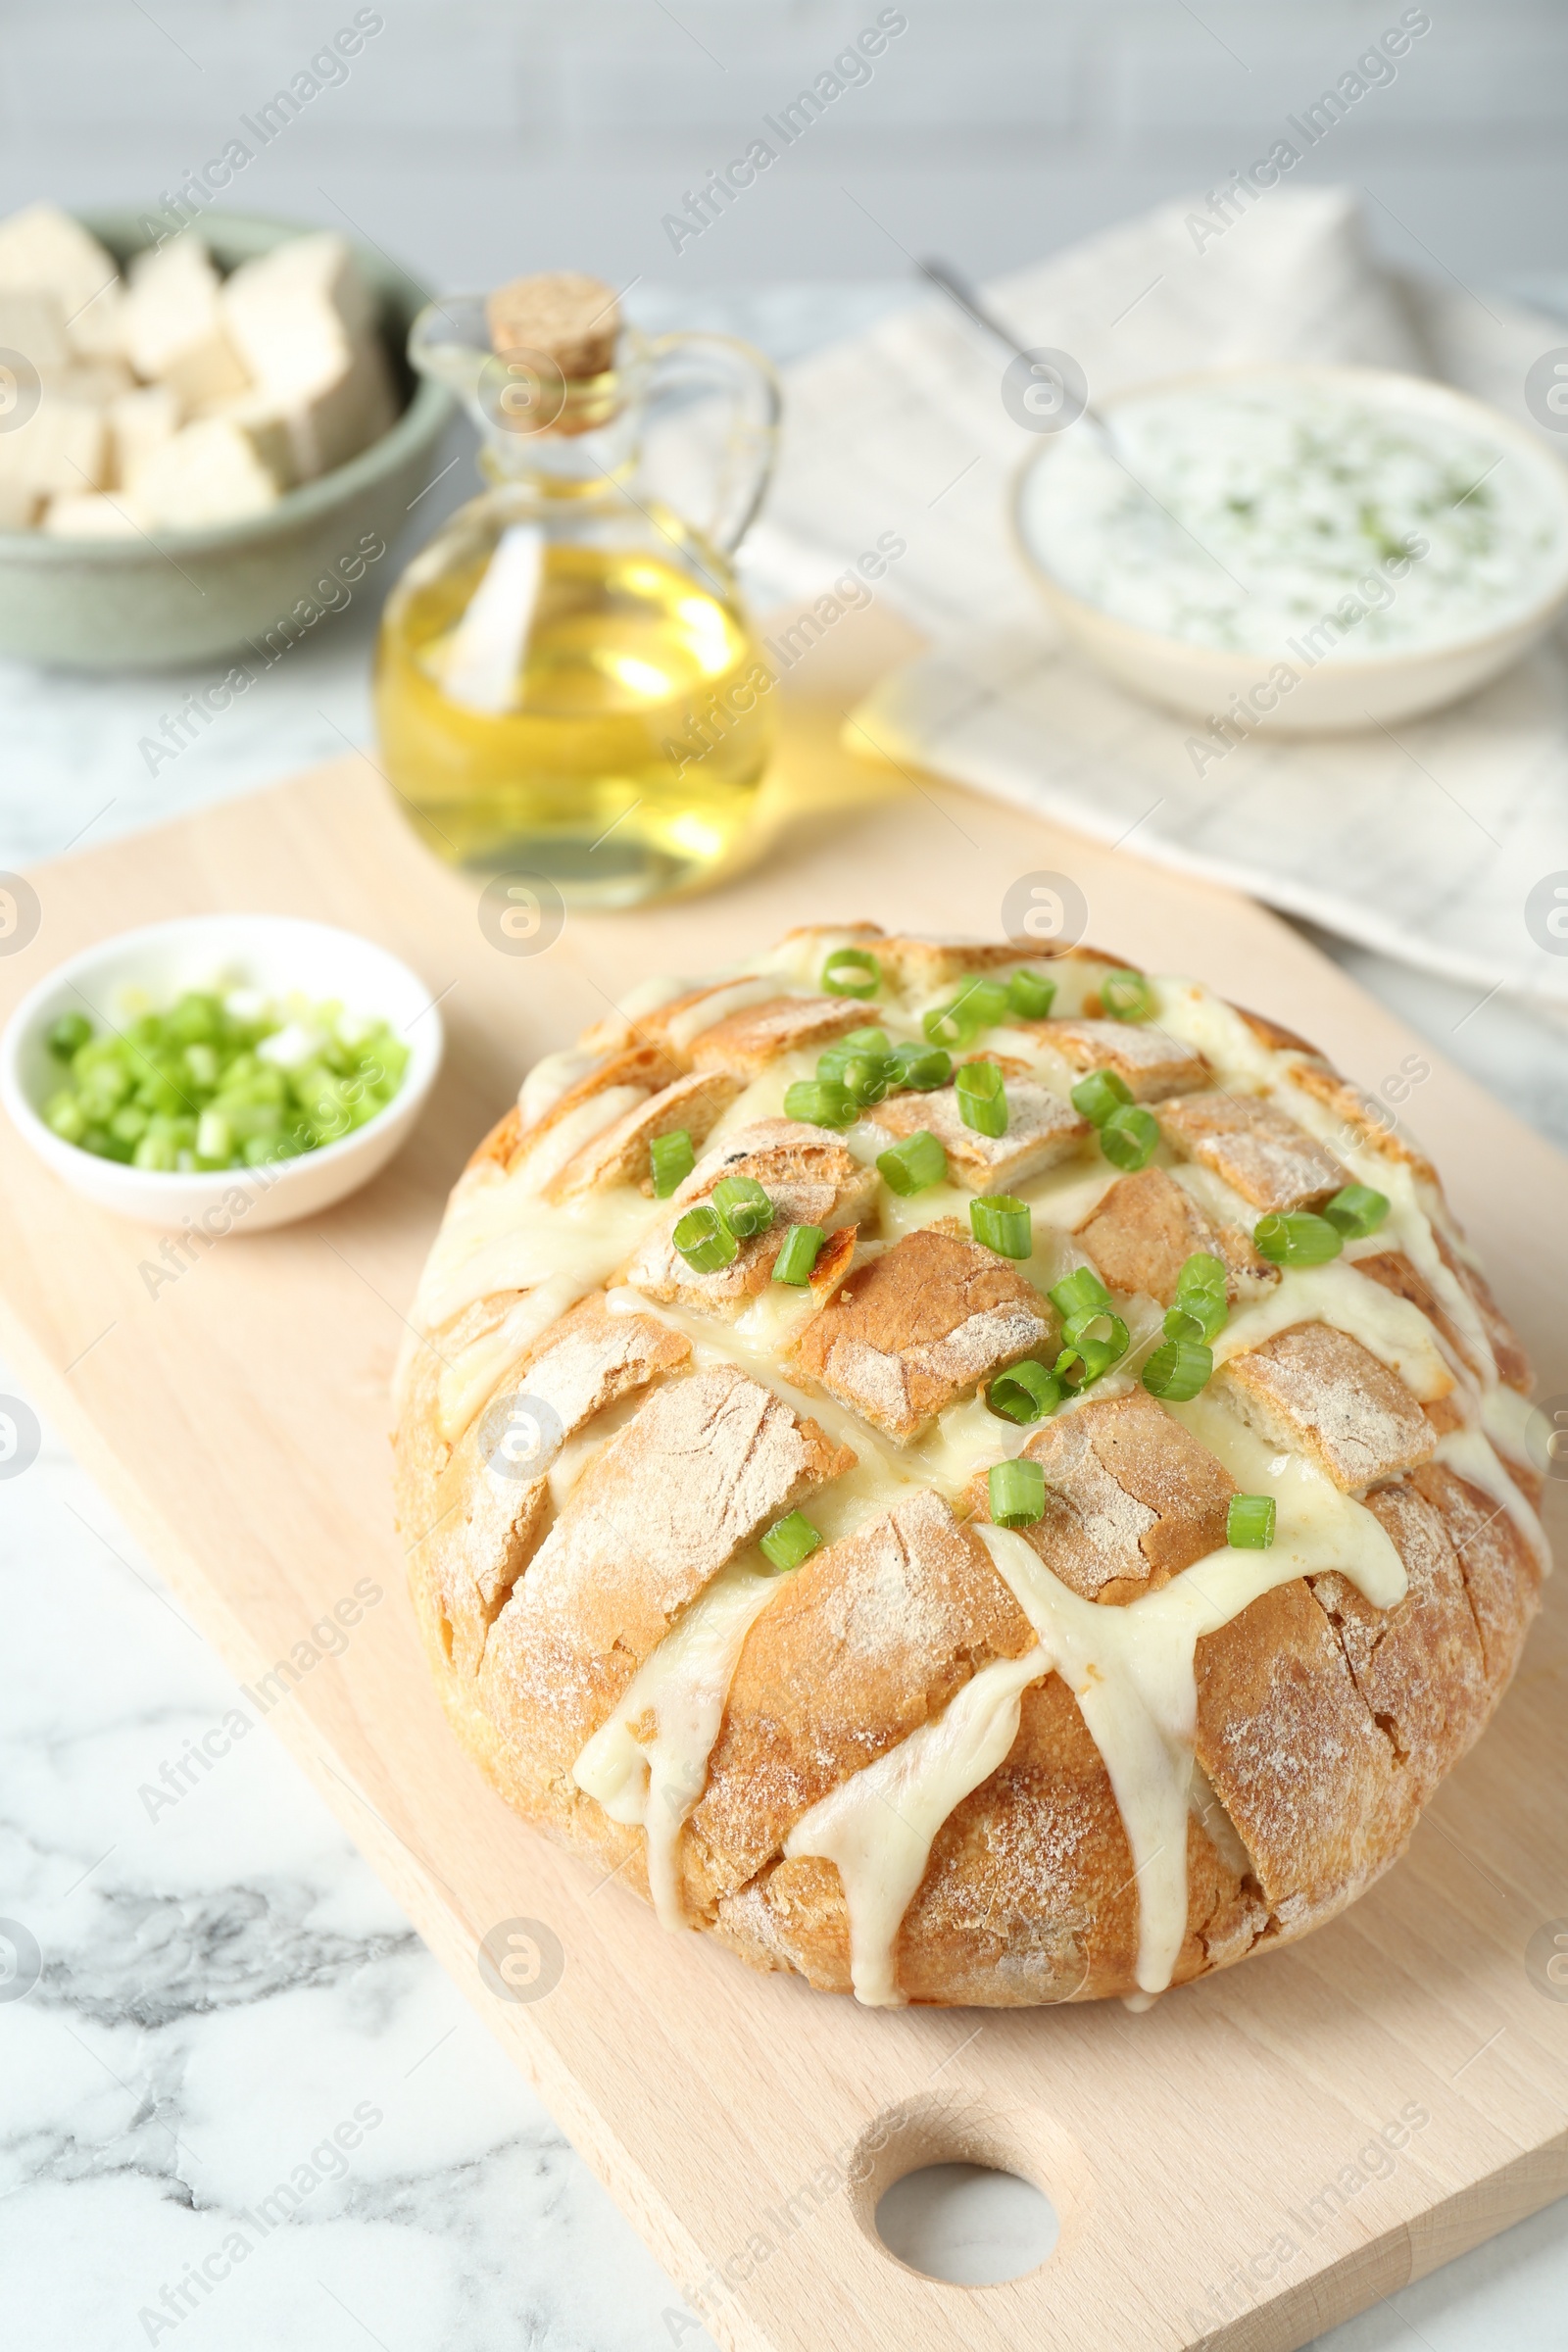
point(224, 1982)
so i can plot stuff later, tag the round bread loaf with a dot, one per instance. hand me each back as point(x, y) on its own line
point(740, 1572)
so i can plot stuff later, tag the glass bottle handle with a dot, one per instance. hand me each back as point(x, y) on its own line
point(748, 379)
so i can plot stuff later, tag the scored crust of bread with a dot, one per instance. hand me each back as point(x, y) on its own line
point(1149, 1063)
point(1131, 1499)
point(1315, 1390)
point(1255, 1148)
point(1042, 1132)
point(1147, 1226)
point(811, 1180)
point(905, 1334)
point(683, 1427)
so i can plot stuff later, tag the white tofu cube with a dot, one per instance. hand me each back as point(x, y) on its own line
point(18, 504)
point(139, 422)
point(33, 324)
point(95, 382)
point(92, 515)
point(174, 332)
point(302, 322)
point(63, 449)
point(207, 472)
point(42, 250)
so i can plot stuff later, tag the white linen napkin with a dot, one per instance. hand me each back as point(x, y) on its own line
point(1426, 844)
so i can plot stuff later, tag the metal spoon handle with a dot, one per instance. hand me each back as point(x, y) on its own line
point(958, 289)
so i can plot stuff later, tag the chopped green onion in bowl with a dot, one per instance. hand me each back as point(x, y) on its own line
point(235, 1080)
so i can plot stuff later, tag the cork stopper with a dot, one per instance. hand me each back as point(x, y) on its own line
point(573, 320)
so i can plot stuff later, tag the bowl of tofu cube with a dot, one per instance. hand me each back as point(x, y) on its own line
point(195, 430)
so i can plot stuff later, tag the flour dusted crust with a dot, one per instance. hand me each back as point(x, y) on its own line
point(890, 1769)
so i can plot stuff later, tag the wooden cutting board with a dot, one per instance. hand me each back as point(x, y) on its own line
point(1219, 2165)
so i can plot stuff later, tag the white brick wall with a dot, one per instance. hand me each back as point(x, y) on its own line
point(478, 136)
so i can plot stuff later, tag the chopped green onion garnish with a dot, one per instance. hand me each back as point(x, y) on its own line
point(979, 1004)
point(1024, 1393)
point(1126, 996)
point(820, 1102)
point(1178, 1370)
point(1130, 1137)
point(1197, 1316)
point(982, 1097)
point(790, 1541)
point(673, 1160)
point(744, 1207)
point(1079, 1291)
point(1085, 1360)
point(867, 1076)
point(1201, 1306)
point(1002, 1224)
point(1098, 1095)
point(1202, 1271)
point(1097, 1328)
point(68, 1034)
point(830, 1062)
point(851, 972)
point(704, 1241)
point(1356, 1211)
point(909, 1167)
point(1298, 1240)
point(1249, 1522)
point(794, 1262)
point(923, 1067)
point(942, 1027)
point(1016, 1492)
point(1030, 996)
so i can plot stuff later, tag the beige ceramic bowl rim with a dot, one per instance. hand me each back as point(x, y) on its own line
point(1382, 382)
point(426, 410)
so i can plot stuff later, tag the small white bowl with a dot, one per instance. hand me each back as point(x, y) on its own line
point(1334, 696)
point(276, 952)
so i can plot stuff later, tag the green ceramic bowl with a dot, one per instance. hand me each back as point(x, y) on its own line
point(131, 605)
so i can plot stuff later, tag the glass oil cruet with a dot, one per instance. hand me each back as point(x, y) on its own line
point(568, 682)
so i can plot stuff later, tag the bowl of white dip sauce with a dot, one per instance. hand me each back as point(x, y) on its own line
point(1302, 549)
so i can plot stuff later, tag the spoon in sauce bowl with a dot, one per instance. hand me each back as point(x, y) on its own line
point(959, 290)
point(1101, 432)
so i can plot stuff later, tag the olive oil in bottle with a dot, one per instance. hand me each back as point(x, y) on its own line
point(619, 748)
point(568, 683)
